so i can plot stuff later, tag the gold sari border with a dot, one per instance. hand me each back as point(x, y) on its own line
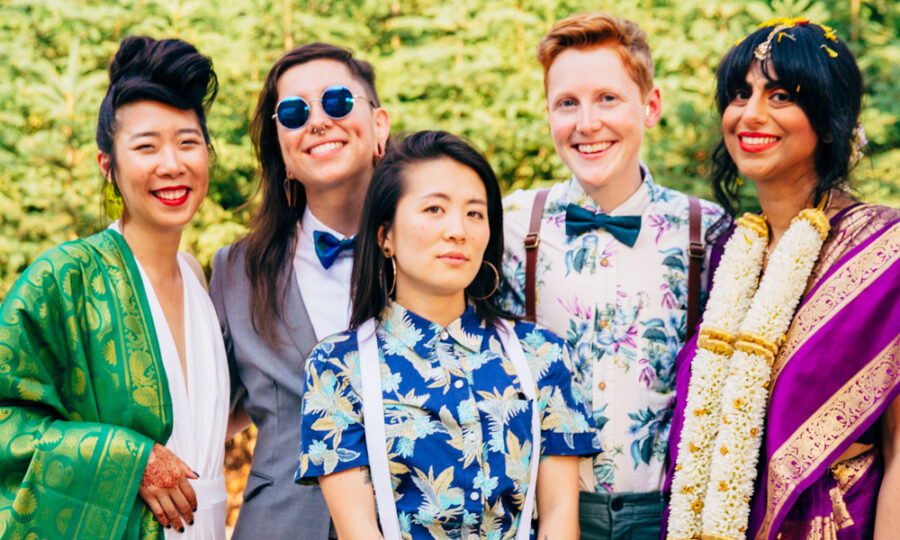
point(844, 286)
point(808, 447)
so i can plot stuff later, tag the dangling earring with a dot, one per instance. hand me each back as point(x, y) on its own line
point(113, 204)
point(291, 188)
point(496, 283)
point(388, 255)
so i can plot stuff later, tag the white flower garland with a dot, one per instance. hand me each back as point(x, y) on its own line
point(727, 398)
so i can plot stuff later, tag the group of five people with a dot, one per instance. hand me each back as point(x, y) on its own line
point(379, 316)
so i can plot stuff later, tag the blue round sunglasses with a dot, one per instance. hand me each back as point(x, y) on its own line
point(337, 101)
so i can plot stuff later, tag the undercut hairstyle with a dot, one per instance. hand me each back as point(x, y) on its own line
point(821, 76)
point(371, 269)
point(270, 242)
point(168, 71)
point(594, 29)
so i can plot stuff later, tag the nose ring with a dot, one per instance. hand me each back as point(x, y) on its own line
point(320, 131)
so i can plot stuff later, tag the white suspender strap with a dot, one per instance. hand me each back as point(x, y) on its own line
point(373, 420)
point(517, 356)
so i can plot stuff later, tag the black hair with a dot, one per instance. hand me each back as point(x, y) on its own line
point(821, 76)
point(271, 238)
point(169, 71)
point(371, 271)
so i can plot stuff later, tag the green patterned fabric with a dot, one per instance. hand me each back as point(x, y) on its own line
point(83, 396)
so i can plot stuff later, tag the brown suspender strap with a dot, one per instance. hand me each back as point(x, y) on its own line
point(696, 253)
point(531, 242)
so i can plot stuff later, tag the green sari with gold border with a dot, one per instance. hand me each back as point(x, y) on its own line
point(83, 396)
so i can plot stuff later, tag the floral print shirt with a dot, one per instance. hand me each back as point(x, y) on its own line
point(457, 424)
point(621, 310)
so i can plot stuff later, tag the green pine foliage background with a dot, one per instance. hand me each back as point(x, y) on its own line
point(465, 66)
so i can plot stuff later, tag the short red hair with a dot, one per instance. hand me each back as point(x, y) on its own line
point(595, 29)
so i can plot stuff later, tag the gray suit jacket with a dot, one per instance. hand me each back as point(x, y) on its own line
point(270, 381)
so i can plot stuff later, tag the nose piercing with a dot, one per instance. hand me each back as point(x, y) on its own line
point(320, 131)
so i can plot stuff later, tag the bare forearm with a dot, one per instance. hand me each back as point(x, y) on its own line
point(887, 514)
point(351, 501)
point(557, 498)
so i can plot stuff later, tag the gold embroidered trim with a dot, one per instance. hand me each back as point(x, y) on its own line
point(840, 289)
point(812, 442)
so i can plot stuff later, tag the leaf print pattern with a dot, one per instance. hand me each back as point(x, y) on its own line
point(458, 428)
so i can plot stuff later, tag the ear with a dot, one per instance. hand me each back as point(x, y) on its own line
point(653, 108)
point(103, 161)
point(383, 240)
point(382, 126)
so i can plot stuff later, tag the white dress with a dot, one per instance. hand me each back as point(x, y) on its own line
point(200, 404)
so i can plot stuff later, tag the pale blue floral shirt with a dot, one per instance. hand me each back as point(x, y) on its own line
point(458, 426)
point(622, 311)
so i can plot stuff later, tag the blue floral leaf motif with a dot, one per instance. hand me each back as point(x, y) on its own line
point(674, 258)
point(345, 454)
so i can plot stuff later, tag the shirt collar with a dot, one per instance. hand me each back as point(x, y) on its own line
point(635, 205)
point(419, 334)
point(310, 223)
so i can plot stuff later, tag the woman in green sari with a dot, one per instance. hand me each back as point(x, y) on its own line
point(102, 339)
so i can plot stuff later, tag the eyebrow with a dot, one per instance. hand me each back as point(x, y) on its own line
point(444, 196)
point(191, 131)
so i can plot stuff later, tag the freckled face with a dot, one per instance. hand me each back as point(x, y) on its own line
point(440, 230)
point(597, 115)
point(767, 134)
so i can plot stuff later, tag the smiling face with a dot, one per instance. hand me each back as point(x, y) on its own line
point(439, 232)
point(767, 134)
point(162, 164)
point(341, 151)
point(597, 119)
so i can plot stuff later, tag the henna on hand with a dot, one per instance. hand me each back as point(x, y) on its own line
point(162, 469)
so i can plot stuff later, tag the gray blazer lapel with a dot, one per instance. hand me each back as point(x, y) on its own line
point(296, 319)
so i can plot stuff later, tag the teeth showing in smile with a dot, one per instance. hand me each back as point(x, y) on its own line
point(596, 147)
point(170, 194)
point(757, 141)
point(327, 147)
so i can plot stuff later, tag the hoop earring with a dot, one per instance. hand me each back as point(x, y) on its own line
point(290, 191)
point(381, 275)
point(496, 282)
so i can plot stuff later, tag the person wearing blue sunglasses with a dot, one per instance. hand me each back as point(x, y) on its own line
point(318, 130)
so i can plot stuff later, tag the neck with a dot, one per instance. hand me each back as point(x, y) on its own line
point(610, 195)
point(442, 310)
point(339, 207)
point(782, 201)
point(157, 251)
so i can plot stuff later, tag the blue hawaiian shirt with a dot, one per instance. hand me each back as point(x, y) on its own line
point(457, 424)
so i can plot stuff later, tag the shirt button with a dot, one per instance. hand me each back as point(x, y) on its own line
point(474, 496)
point(458, 384)
point(601, 385)
point(444, 334)
point(616, 505)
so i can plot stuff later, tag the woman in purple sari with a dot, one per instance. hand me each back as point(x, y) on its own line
point(789, 96)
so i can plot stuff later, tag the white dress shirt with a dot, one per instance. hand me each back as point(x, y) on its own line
point(326, 293)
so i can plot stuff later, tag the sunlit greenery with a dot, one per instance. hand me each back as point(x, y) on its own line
point(464, 66)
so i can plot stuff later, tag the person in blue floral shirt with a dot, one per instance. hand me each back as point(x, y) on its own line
point(612, 263)
point(463, 390)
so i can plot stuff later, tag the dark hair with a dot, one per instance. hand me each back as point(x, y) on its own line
point(270, 240)
point(821, 76)
point(169, 71)
point(370, 290)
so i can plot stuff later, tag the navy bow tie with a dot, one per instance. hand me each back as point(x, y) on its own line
point(625, 229)
point(328, 247)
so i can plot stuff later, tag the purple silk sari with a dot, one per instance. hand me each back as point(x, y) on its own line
point(836, 373)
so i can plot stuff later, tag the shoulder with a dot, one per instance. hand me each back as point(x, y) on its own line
point(334, 348)
point(535, 334)
point(518, 206)
point(676, 203)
